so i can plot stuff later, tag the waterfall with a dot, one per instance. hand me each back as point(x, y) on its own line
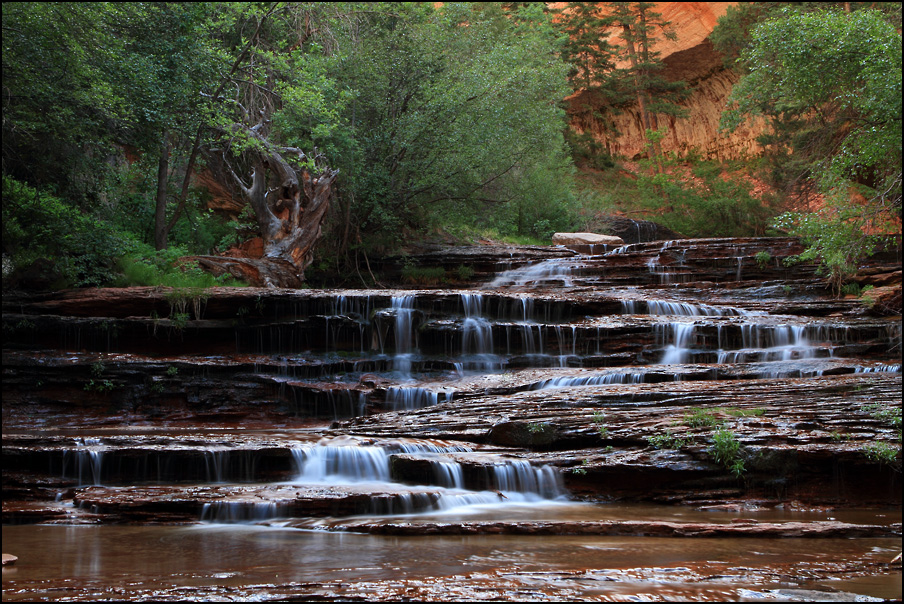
point(405, 399)
point(230, 512)
point(345, 463)
point(883, 368)
point(341, 464)
point(403, 309)
point(477, 334)
point(519, 476)
point(675, 337)
point(555, 269)
point(683, 309)
point(448, 474)
point(635, 377)
point(88, 461)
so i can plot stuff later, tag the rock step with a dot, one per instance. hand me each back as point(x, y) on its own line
point(342, 337)
point(784, 412)
point(766, 530)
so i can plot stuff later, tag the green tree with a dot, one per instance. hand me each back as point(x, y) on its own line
point(452, 109)
point(61, 114)
point(640, 28)
point(845, 129)
point(592, 58)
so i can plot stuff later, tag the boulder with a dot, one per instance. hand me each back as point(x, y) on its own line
point(585, 239)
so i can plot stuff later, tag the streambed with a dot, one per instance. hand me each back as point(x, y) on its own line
point(546, 435)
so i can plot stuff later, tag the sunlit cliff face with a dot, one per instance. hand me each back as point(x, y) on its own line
point(692, 58)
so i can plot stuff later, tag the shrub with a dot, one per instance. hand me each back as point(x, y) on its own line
point(726, 450)
point(431, 275)
point(74, 249)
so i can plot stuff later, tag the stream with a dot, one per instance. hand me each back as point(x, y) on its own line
point(547, 434)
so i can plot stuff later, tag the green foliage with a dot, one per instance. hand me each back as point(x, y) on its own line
point(699, 418)
point(423, 275)
point(101, 386)
point(696, 200)
point(726, 450)
point(540, 428)
point(172, 371)
point(464, 273)
point(77, 249)
point(165, 269)
point(179, 320)
point(600, 420)
point(843, 132)
point(668, 440)
point(865, 298)
point(452, 118)
point(884, 454)
point(887, 414)
point(834, 238)
point(762, 258)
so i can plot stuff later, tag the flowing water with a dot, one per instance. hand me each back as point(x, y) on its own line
point(302, 511)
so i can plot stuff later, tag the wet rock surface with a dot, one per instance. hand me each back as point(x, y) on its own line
point(694, 374)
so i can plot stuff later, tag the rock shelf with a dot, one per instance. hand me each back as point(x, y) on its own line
point(690, 374)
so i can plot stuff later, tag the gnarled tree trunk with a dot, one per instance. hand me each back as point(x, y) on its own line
point(289, 205)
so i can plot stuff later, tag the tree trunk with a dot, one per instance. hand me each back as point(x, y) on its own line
point(289, 205)
point(160, 227)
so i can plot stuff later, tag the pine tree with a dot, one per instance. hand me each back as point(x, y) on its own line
point(641, 28)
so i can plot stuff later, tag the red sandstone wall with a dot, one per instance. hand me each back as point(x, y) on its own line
point(690, 58)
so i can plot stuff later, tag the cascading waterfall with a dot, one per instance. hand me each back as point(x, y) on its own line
point(683, 309)
point(403, 309)
point(400, 398)
point(882, 368)
point(231, 512)
point(448, 474)
point(477, 335)
point(632, 377)
point(675, 338)
point(341, 464)
point(223, 464)
point(519, 476)
point(554, 270)
point(771, 343)
point(511, 480)
point(88, 461)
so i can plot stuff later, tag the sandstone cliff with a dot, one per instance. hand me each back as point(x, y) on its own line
point(693, 59)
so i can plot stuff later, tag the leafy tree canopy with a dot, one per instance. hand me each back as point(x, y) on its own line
point(831, 80)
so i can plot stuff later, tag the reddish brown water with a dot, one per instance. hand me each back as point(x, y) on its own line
point(91, 563)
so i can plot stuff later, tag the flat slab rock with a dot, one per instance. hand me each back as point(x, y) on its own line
point(585, 239)
point(639, 528)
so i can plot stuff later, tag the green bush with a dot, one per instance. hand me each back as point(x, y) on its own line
point(726, 450)
point(40, 230)
point(698, 418)
point(427, 275)
point(702, 203)
point(668, 440)
point(165, 269)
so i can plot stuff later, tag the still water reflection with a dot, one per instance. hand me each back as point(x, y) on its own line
point(238, 562)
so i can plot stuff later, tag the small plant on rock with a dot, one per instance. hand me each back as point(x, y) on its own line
point(726, 450)
point(698, 418)
point(668, 440)
point(599, 419)
point(884, 454)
